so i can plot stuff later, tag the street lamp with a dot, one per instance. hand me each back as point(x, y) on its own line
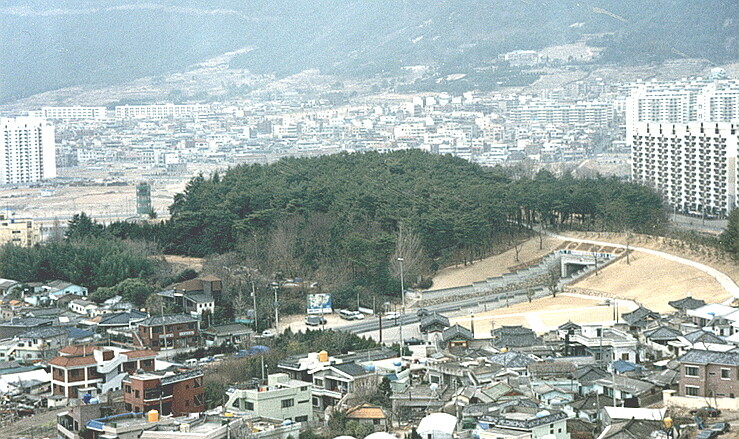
point(402, 310)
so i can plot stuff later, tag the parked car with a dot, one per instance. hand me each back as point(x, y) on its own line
point(392, 315)
point(414, 341)
point(268, 333)
point(350, 315)
point(315, 320)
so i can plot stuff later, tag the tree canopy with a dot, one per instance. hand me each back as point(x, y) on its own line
point(343, 218)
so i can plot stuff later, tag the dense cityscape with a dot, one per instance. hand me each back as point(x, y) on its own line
point(537, 243)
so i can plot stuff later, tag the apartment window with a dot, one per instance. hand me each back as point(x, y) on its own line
point(691, 371)
point(303, 388)
point(136, 394)
point(691, 390)
point(625, 356)
point(288, 403)
point(725, 374)
point(301, 419)
point(318, 382)
point(128, 388)
point(248, 405)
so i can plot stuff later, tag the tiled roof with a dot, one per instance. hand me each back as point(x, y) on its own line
point(704, 337)
point(140, 353)
point(663, 333)
point(366, 411)
point(686, 303)
point(233, 328)
point(73, 361)
point(78, 349)
point(434, 318)
point(168, 320)
point(121, 318)
point(697, 356)
point(639, 316)
point(456, 332)
point(189, 285)
point(42, 332)
point(626, 384)
point(351, 369)
point(511, 359)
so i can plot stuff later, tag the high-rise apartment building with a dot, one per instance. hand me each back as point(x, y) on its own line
point(680, 102)
point(27, 150)
point(694, 165)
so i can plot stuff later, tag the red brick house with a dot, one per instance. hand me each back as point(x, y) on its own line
point(173, 392)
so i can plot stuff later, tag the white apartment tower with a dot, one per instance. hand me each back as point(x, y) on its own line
point(694, 164)
point(680, 102)
point(27, 150)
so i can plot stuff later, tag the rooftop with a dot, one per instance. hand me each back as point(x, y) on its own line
point(697, 356)
point(168, 320)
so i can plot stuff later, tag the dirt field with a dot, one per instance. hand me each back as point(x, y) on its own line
point(545, 314)
point(494, 265)
point(708, 256)
point(654, 281)
point(185, 262)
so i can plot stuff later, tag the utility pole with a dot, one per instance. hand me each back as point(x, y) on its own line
point(254, 301)
point(402, 311)
point(275, 286)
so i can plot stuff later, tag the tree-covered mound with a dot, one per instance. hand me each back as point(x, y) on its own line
point(345, 219)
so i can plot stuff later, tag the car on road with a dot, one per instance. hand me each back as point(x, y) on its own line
point(414, 341)
point(392, 315)
point(267, 333)
point(347, 314)
point(315, 320)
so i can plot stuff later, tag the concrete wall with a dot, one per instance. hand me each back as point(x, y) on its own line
point(670, 398)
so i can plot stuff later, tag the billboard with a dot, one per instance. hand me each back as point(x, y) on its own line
point(319, 304)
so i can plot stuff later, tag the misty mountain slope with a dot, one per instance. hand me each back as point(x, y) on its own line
point(52, 44)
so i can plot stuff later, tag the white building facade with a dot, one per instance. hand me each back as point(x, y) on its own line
point(694, 165)
point(27, 150)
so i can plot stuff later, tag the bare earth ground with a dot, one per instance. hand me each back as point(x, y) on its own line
point(494, 265)
point(708, 256)
point(654, 281)
point(545, 314)
point(185, 262)
point(648, 280)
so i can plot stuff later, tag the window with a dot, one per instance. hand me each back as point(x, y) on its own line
point(691, 371)
point(316, 402)
point(625, 356)
point(128, 388)
point(691, 390)
point(303, 388)
point(136, 393)
point(248, 405)
point(288, 403)
point(318, 382)
point(301, 419)
point(725, 374)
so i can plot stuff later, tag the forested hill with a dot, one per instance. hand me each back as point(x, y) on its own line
point(345, 216)
point(57, 43)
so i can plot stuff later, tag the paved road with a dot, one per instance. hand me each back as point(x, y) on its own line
point(698, 224)
point(474, 304)
point(725, 281)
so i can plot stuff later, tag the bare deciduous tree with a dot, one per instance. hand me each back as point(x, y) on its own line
point(408, 247)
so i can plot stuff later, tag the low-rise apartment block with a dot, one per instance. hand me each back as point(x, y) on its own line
point(171, 393)
point(96, 370)
point(169, 332)
point(281, 398)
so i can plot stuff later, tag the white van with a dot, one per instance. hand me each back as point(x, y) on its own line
point(350, 315)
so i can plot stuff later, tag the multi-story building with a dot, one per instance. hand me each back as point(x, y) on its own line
point(282, 398)
point(709, 374)
point(34, 345)
point(94, 369)
point(516, 421)
point(332, 378)
point(160, 111)
point(195, 296)
point(169, 332)
point(70, 113)
point(604, 344)
point(694, 165)
point(171, 393)
point(680, 102)
point(560, 113)
point(27, 150)
point(22, 232)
